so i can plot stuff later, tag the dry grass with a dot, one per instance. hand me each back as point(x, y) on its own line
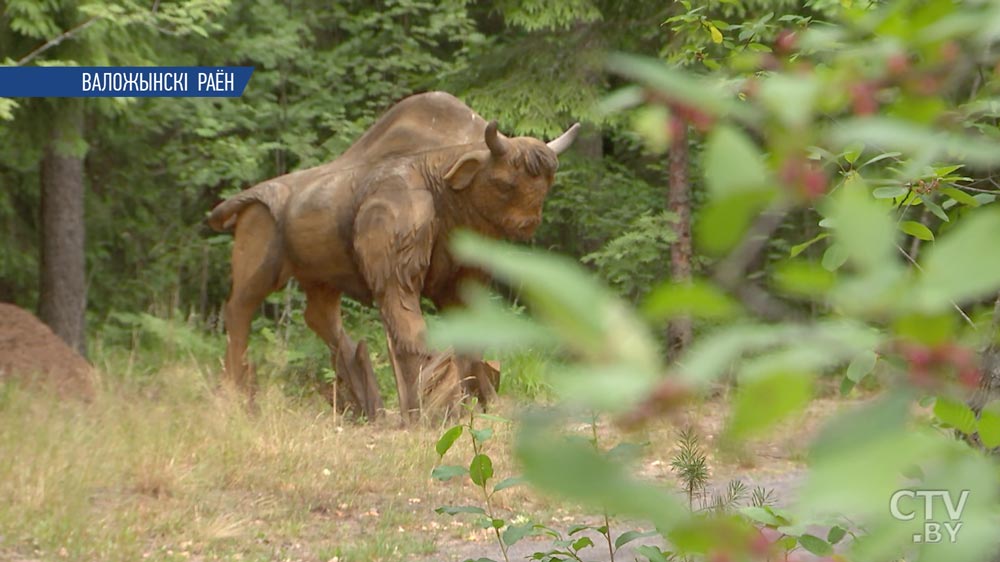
point(174, 471)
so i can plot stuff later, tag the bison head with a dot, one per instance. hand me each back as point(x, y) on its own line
point(505, 184)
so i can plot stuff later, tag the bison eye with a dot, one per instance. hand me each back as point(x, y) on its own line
point(507, 185)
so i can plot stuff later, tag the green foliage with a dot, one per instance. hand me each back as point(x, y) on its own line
point(635, 260)
point(690, 464)
point(876, 312)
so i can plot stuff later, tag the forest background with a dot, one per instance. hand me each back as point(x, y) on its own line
point(132, 179)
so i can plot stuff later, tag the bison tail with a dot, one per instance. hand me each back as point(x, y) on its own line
point(273, 195)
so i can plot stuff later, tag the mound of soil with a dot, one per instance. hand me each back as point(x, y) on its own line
point(31, 353)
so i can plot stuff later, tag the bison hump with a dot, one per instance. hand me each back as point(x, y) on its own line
point(419, 123)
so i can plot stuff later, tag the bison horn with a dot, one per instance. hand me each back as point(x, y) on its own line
point(497, 145)
point(562, 143)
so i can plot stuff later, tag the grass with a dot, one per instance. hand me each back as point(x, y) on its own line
point(169, 469)
point(161, 466)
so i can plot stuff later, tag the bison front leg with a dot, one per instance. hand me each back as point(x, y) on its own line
point(354, 389)
point(428, 383)
point(404, 331)
point(394, 236)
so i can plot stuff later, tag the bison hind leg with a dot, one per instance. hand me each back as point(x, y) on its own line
point(258, 269)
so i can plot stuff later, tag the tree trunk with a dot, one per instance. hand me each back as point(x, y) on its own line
point(63, 290)
point(989, 382)
point(679, 333)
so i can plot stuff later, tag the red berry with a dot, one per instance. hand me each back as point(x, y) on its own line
point(719, 556)
point(951, 354)
point(921, 377)
point(804, 176)
point(863, 99)
point(927, 85)
point(918, 356)
point(969, 377)
point(785, 42)
point(696, 117)
point(760, 543)
point(769, 62)
point(814, 183)
point(750, 87)
point(949, 51)
point(897, 64)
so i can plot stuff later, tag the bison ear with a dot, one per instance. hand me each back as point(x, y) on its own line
point(462, 172)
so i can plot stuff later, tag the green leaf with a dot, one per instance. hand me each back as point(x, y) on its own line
point(492, 418)
point(880, 157)
point(960, 196)
point(678, 85)
point(733, 164)
point(852, 152)
point(629, 536)
point(846, 386)
point(917, 230)
point(697, 299)
point(792, 98)
point(911, 138)
point(587, 316)
point(621, 99)
point(765, 516)
point(861, 365)
point(613, 388)
point(582, 542)
point(767, 399)
point(447, 440)
point(821, 344)
point(483, 324)
point(570, 469)
point(804, 278)
point(482, 435)
point(481, 469)
point(721, 224)
point(626, 452)
point(936, 210)
point(928, 329)
point(861, 227)
point(447, 472)
point(456, 509)
point(955, 413)
point(509, 483)
point(956, 268)
point(889, 192)
point(652, 124)
point(715, 33)
point(515, 533)
point(653, 553)
point(799, 248)
point(836, 534)
point(815, 545)
point(834, 257)
point(989, 424)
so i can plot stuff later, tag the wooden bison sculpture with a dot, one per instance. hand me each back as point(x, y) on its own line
point(374, 225)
